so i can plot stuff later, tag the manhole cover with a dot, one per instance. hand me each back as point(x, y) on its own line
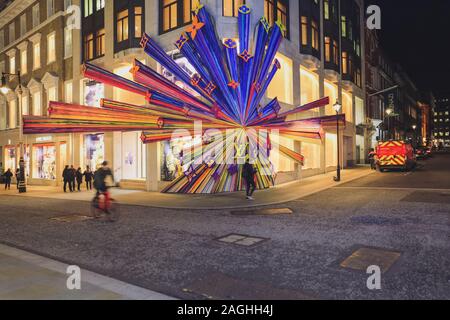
point(221, 286)
point(241, 240)
point(269, 211)
point(365, 257)
point(427, 197)
point(71, 218)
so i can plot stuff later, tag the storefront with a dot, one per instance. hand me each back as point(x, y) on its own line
point(10, 158)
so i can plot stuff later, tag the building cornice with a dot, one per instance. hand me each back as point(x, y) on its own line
point(14, 10)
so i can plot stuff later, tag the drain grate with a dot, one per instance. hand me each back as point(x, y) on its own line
point(268, 211)
point(71, 218)
point(365, 257)
point(241, 240)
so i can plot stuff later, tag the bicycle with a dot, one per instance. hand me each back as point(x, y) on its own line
point(104, 204)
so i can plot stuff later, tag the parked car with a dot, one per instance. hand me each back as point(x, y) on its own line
point(422, 153)
point(395, 154)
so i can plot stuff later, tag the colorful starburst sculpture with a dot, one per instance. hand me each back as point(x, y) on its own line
point(225, 96)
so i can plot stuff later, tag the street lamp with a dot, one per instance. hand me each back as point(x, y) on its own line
point(4, 89)
point(414, 127)
point(389, 112)
point(337, 107)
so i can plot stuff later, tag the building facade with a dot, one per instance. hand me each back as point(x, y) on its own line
point(323, 55)
point(441, 121)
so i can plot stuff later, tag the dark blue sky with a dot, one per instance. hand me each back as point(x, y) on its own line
point(416, 34)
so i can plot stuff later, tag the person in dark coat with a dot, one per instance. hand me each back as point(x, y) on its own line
point(72, 175)
point(372, 155)
point(88, 176)
point(79, 177)
point(66, 178)
point(248, 173)
point(8, 175)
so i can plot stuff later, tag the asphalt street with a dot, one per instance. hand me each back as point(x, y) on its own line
point(177, 252)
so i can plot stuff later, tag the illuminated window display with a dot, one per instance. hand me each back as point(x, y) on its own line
point(311, 152)
point(10, 158)
point(347, 103)
point(331, 150)
point(331, 91)
point(123, 95)
point(133, 156)
point(93, 93)
point(282, 84)
point(186, 66)
point(309, 87)
point(44, 161)
point(175, 157)
point(94, 150)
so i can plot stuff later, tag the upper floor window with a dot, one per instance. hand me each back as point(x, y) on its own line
point(12, 32)
point(326, 9)
point(23, 61)
point(2, 39)
point(51, 48)
point(175, 13)
point(36, 55)
point(100, 43)
point(89, 47)
point(137, 22)
point(122, 25)
point(12, 64)
point(304, 30)
point(231, 7)
point(275, 10)
point(88, 7)
point(23, 24)
point(336, 52)
point(344, 26)
point(36, 15)
point(327, 49)
point(344, 62)
point(50, 8)
point(67, 43)
point(315, 34)
point(100, 5)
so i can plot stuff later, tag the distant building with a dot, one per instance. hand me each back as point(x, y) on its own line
point(441, 120)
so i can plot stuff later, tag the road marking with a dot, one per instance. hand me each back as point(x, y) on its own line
point(394, 188)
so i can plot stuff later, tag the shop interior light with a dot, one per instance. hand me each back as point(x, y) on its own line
point(3, 88)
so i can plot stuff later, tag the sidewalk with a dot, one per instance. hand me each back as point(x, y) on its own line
point(26, 276)
point(276, 195)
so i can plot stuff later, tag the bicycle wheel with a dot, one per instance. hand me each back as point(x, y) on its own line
point(113, 211)
point(95, 211)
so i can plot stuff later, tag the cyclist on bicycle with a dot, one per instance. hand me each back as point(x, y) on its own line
point(100, 177)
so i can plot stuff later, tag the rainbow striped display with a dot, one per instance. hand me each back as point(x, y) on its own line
point(230, 83)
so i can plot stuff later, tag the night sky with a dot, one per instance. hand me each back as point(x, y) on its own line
point(416, 34)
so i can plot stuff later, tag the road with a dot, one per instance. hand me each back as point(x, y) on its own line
point(302, 255)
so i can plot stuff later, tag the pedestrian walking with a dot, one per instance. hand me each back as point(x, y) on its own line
point(372, 159)
point(73, 174)
point(248, 173)
point(88, 176)
point(8, 175)
point(79, 177)
point(66, 178)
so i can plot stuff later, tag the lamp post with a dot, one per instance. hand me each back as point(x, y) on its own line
point(414, 127)
point(4, 89)
point(337, 107)
point(389, 112)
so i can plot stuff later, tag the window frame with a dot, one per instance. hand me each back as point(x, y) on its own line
point(180, 14)
point(235, 7)
point(272, 7)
